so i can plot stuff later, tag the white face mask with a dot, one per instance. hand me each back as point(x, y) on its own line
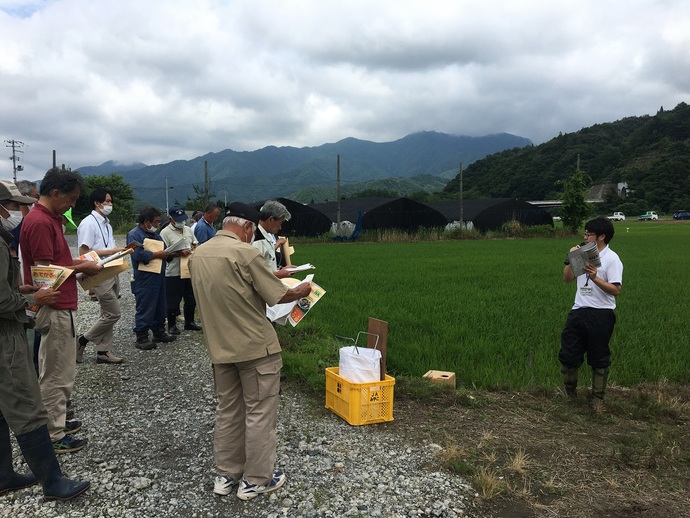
point(13, 221)
point(178, 224)
point(151, 230)
point(106, 209)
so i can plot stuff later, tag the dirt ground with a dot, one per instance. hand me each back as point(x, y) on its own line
point(534, 454)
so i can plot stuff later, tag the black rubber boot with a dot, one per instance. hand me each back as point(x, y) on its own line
point(159, 335)
point(143, 341)
point(172, 324)
point(38, 452)
point(10, 479)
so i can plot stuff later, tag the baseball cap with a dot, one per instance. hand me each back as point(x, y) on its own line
point(9, 191)
point(177, 213)
point(242, 210)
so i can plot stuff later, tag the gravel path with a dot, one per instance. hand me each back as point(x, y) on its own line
point(149, 423)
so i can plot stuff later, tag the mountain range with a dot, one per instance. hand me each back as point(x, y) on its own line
point(419, 161)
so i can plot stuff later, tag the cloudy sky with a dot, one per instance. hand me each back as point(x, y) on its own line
point(159, 80)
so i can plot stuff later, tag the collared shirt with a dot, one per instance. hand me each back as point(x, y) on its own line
point(42, 240)
point(172, 235)
point(95, 232)
point(265, 242)
point(232, 286)
point(204, 231)
point(588, 294)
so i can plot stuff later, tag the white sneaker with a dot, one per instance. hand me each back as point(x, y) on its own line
point(222, 485)
point(247, 491)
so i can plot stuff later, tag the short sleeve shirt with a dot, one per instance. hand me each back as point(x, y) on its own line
point(42, 240)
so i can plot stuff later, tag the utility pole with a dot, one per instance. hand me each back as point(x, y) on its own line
point(205, 183)
point(167, 199)
point(462, 202)
point(337, 195)
point(14, 144)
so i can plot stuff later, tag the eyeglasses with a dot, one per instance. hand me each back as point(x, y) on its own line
point(589, 234)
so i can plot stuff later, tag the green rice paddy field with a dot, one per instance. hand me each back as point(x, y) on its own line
point(492, 310)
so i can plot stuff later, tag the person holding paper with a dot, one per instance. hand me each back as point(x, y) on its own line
point(96, 234)
point(232, 285)
point(148, 285)
point(589, 326)
point(21, 407)
point(42, 243)
point(177, 286)
point(271, 218)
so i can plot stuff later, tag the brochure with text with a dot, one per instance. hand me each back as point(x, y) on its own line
point(51, 276)
point(583, 256)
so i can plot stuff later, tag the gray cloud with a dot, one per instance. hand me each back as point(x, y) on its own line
point(157, 81)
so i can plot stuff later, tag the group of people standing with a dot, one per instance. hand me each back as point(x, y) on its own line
point(230, 276)
point(231, 280)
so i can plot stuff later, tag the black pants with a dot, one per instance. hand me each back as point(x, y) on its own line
point(587, 331)
point(177, 289)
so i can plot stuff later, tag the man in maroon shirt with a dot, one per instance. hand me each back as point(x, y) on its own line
point(43, 243)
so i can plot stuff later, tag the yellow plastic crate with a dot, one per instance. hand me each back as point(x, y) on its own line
point(359, 403)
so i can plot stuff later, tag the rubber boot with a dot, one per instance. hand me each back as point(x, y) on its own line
point(9, 479)
point(159, 335)
point(172, 324)
point(599, 379)
point(143, 341)
point(38, 452)
point(569, 380)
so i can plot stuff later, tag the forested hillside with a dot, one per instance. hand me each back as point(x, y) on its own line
point(650, 153)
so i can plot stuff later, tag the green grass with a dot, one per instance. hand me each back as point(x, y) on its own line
point(492, 310)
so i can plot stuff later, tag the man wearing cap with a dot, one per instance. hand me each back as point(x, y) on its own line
point(21, 408)
point(96, 234)
point(178, 285)
point(11, 213)
point(232, 285)
point(43, 243)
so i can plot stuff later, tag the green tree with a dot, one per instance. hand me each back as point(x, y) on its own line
point(123, 199)
point(575, 209)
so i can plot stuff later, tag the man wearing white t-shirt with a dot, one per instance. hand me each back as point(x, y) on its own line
point(589, 326)
point(95, 233)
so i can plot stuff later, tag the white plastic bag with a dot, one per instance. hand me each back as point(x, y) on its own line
point(360, 364)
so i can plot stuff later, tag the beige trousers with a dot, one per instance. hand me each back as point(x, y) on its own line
point(244, 440)
point(101, 333)
point(57, 357)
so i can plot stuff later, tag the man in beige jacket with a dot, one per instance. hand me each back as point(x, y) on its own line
point(232, 286)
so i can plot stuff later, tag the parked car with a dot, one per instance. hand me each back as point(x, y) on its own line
point(681, 214)
point(648, 216)
point(617, 216)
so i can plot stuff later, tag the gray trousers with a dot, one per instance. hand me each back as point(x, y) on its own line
point(20, 396)
point(101, 333)
point(244, 440)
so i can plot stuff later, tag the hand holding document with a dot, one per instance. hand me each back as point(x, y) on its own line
point(294, 312)
point(300, 268)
